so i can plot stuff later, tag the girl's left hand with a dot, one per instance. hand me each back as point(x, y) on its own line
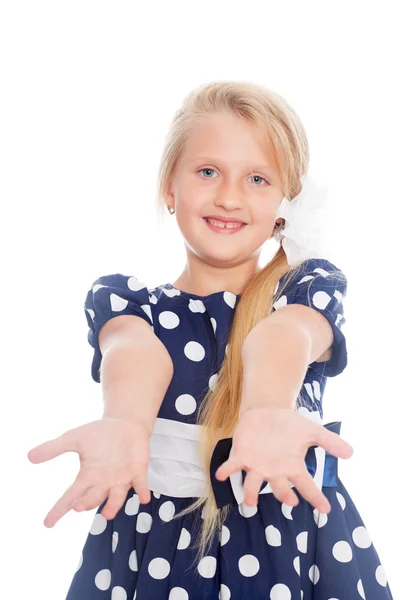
point(271, 444)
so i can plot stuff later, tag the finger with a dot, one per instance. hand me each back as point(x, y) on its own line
point(64, 504)
point(116, 498)
point(142, 488)
point(307, 487)
point(252, 484)
point(282, 491)
point(52, 448)
point(332, 442)
point(232, 465)
point(92, 499)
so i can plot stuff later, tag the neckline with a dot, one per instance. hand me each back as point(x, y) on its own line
point(189, 295)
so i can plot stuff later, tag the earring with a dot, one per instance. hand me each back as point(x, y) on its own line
point(171, 212)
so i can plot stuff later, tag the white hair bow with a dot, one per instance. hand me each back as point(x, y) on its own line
point(307, 223)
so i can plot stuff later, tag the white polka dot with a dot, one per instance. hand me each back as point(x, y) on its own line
point(230, 299)
point(273, 536)
point(287, 510)
point(134, 284)
point(296, 564)
point(214, 324)
point(143, 523)
point(341, 500)
point(118, 593)
point(80, 562)
point(114, 542)
point(313, 574)
point(320, 518)
point(317, 390)
point(301, 541)
point(225, 535)
point(224, 592)
point(168, 319)
point(361, 537)
point(159, 568)
point(196, 306)
point(133, 564)
point(99, 524)
point(132, 505)
point(147, 309)
point(212, 382)
point(185, 404)
point(342, 551)
point(247, 511)
point(167, 511)
point(178, 593)
point(194, 351)
point(184, 539)
point(360, 589)
point(226, 349)
point(249, 565)
point(282, 301)
point(207, 566)
point(117, 303)
point(156, 495)
point(380, 576)
point(280, 591)
point(309, 390)
point(321, 299)
point(103, 579)
point(91, 313)
point(171, 292)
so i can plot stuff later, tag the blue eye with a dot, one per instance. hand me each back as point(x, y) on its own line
point(261, 178)
point(206, 169)
point(209, 169)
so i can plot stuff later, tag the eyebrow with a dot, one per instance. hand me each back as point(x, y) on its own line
point(256, 168)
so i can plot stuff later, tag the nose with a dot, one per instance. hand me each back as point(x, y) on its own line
point(230, 196)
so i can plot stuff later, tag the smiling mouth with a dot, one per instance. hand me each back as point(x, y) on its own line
point(223, 227)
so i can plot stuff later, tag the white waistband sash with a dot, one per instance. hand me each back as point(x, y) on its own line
point(176, 466)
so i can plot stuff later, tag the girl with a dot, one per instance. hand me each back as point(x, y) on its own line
point(213, 475)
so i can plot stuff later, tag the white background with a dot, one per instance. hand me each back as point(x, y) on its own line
point(88, 92)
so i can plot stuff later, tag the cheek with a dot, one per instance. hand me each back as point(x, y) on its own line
point(263, 214)
point(192, 199)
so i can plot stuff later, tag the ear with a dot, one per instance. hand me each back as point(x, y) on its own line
point(170, 195)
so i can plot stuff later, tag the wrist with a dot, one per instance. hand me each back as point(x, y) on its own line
point(265, 404)
point(129, 420)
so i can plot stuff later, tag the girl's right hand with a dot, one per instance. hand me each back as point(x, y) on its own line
point(114, 456)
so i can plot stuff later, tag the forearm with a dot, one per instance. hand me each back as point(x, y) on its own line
point(135, 378)
point(275, 358)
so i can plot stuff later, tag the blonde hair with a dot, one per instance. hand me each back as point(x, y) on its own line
point(281, 128)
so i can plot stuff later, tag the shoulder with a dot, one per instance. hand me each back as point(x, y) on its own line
point(118, 280)
point(117, 293)
point(316, 272)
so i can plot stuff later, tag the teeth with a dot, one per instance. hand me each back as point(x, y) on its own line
point(222, 225)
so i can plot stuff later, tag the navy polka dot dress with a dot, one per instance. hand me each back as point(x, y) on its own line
point(271, 551)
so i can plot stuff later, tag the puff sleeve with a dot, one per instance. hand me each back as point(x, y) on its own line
point(111, 296)
point(322, 286)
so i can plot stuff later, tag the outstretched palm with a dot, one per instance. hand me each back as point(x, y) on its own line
point(114, 456)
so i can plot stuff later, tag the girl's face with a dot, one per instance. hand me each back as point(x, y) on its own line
point(226, 171)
